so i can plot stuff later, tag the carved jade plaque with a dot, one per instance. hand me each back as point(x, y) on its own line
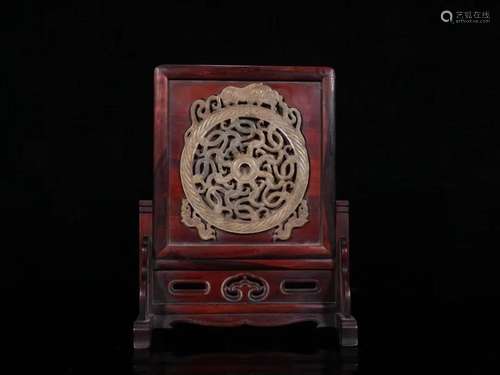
point(244, 167)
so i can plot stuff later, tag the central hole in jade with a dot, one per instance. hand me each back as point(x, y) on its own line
point(244, 169)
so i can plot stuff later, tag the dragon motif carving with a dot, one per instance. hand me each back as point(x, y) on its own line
point(244, 166)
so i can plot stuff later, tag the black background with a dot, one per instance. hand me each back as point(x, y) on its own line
point(417, 156)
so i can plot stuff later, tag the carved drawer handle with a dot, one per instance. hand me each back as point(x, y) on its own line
point(183, 287)
point(299, 286)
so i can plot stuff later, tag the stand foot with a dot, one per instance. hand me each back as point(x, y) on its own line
point(142, 335)
point(347, 330)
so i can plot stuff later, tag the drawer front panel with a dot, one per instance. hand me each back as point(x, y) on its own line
point(241, 286)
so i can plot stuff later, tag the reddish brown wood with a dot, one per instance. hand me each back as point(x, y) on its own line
point(323, 278)
point(347, 326)
point(245, 308)
point(322, 318)
point(247, 73)
point(261, 264)
point(252, 251)
point(142, 326)
point(172, 252)
point(174, 239)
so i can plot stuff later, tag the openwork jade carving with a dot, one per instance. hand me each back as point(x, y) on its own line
point(244, 167)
